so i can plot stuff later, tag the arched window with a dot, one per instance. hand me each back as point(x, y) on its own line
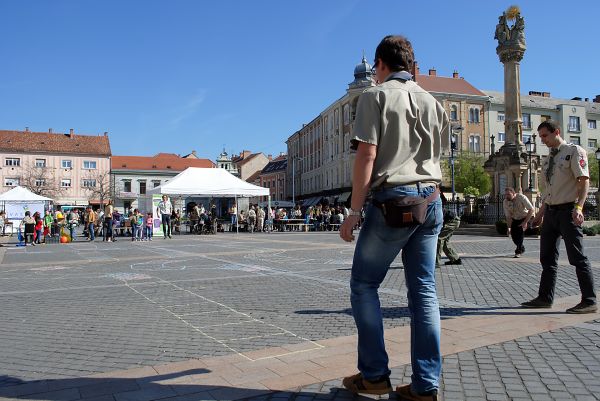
point(474, 115)
point(453, 112)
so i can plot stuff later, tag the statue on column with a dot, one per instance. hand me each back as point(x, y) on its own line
point(510, 38)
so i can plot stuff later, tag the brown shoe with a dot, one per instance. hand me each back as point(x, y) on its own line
point(405, 393)
point(582, 307)
point(356, 384)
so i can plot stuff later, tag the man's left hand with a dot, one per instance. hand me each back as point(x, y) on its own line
point(524, 225)
point(347, 226)
point(577, 217)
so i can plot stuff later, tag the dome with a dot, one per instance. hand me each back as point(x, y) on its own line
point(362, 70)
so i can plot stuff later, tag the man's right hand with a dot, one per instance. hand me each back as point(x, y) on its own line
point(537, 220)
point(508, 232)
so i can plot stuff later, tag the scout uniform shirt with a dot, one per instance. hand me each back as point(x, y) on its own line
point(560, 173)
point(518, 208)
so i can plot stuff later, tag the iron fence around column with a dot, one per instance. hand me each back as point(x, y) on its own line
point(489, 209)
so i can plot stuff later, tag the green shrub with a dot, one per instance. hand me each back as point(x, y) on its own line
point(471, 191)
point(589, 231)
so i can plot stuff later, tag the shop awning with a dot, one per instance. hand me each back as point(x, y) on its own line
point(343, 197)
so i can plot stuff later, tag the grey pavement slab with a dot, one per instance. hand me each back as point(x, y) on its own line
point(78, 309)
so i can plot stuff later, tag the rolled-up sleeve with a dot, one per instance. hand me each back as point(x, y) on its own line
point(368, 120)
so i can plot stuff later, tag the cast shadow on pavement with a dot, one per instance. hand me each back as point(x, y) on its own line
point(445, 312)
point(173, 386)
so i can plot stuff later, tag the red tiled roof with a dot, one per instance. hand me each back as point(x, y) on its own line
point(46, 142)
point(167, 162)
point(447, 85)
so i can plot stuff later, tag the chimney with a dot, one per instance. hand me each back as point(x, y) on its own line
point(546, 94)
point(455, 74)
point(270, 157)
point(587, 99)
point(432, 72)
point(246, 153)
point(596, 99)
point(105, 133)
point(415, 71)
point(26, 129)
point(49, 130)
point(71, 133)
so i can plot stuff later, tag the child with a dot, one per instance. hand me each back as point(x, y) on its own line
point(39, 224)
point(149, 226)
point(139, 227)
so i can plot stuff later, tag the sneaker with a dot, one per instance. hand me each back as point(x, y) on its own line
point(453, 262)
point(170, 237)
point(405, 393)
point(583, 307)
point(517, 255)
point(356, 384)
point(536, 303)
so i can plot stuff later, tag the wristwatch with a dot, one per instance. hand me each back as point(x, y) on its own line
point(352, 212)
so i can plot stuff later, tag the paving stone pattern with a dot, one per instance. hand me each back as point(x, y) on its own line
point(73, 310)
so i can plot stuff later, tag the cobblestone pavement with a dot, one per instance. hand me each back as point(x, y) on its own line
point(70, 311)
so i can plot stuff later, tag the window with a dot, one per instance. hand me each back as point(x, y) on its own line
point(574, 124)
point(501, 137)
point(155, 184)
point(501, 116)
point(12, 161)
point(89, 183)
point(66, 164)
point(526, 120)
point(142, 187)
point(40, 162)
point(474, 115)
point(11, 182)
point(65, 183)
point(592, 143)
point(474, 143)
point(346, 114)
point(127, 186)
point(592, 124)
point(89, 165)
point(575, 140)
point(453, 112)
point(526, 138)
point(40, 182)
point(545, 118)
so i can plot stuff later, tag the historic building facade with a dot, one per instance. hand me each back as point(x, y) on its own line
point(133, 176)
point(71, 169)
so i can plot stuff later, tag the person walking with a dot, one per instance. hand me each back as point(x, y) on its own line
point(164, 210)
point(398, 133)
point(451, 224)
point(566, 174)
point(518, 211)
point(108, 221)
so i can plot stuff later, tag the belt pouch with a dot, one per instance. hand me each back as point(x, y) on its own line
point(403, 211)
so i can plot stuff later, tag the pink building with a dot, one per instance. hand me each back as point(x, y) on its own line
point(71, 169)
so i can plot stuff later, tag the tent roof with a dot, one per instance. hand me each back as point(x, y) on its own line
point(20, 194)
point(216, 182)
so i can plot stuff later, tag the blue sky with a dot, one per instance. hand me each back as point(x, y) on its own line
point(172, 76)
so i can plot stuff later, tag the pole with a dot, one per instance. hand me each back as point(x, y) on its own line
point(452, 171)
point(530, 174)
point(293, 180)
point(237, 225)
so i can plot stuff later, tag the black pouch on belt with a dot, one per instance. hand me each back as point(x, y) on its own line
point(405, 211)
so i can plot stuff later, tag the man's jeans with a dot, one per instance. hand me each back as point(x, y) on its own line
point(376, 248)
point(166, 222)
point(91, 231)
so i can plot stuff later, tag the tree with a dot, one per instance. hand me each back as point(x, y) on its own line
point(469, 172)
point(593, 166)
point(98, 185)
point(40, 180)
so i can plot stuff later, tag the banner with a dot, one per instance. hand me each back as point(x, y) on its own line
point(16, 211)
point(157, 226)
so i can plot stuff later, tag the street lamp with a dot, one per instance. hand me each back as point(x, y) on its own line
point(453, 146)
point(530, 146)
point(492, 144)
point(598, 158)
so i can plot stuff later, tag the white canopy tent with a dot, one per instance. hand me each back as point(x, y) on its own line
point(213, 182)
point(19, 200)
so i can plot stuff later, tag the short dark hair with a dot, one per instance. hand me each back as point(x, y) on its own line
point(396, 52)
point(550, 125)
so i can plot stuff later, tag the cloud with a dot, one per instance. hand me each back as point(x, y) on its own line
point(188, 109)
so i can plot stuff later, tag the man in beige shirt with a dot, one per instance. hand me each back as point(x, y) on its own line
point(398, 135)
point(518, 211)
point(566, 174)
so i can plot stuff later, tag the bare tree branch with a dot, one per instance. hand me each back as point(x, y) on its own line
point(98, 185)
point(40, 180)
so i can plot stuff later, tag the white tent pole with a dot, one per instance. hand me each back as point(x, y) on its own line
point(237, 223)
point(269, 209)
